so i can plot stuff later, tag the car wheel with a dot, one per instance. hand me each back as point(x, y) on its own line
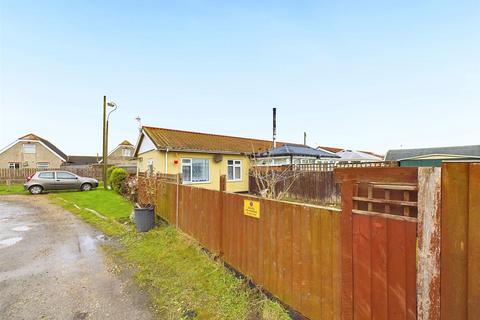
point(86, 187)
point(35, 189)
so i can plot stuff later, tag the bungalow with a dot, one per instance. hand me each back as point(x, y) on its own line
point(433, 157)
point(200, 158)
point(122, 155)
point(354, 156)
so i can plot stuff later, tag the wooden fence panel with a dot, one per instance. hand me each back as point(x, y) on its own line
point(379, 230)
point(200, 215)
point(293, 251)
point(460, 245)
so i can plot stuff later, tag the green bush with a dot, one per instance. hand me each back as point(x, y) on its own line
point(118, 180)
point(109, 174)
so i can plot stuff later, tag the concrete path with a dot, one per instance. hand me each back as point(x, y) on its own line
point(51, 267)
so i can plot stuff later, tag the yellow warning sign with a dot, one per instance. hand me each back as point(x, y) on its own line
point(251, 208)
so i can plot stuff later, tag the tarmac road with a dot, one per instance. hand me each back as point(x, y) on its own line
point(51, 267)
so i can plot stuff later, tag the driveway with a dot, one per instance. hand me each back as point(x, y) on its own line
point(51, 267)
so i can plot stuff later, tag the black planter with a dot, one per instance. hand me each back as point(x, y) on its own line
point(144, 219)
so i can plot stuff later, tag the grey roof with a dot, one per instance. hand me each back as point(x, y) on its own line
point(296, 150)
point(357, 155)
point(468, 151)
point(83, 160)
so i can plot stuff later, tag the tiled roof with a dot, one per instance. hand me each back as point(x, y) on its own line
point(83, 160)
point(206, 142)
point(295, 150)
point(125, 143)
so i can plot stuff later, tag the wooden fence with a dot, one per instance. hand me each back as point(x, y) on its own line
point(292, 250)
point(19, 175)
point(316, 187)
point(406, 244)
point(327, 167)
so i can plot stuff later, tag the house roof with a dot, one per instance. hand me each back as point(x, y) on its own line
point(50, 145)
point(125, 143)
point(204, 142)
point(297, 150)
point(83, 160)
point(357, 155)
point(336, 150)
point(466, 151)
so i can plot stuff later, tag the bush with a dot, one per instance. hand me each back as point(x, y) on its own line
point(109, 174)
point(118, 180)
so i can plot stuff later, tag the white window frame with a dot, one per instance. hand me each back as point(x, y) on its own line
point(126, 152)
point(43, 165)
point(190, 164)
point(11, 165)
point(29, 145)
point(236, 163)
point(150, 167)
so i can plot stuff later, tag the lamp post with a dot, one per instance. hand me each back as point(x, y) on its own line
point(105, 136)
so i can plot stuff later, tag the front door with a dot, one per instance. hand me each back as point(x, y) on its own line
point(66, 180)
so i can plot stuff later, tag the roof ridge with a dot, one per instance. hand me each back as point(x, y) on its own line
point(214, 134)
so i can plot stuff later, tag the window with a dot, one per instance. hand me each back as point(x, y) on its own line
point(65, 175)
point(234, 170)
point(195, 170)
point(42, 165)
point(29, 148)
point(127, 152)
point(150, 166)
point(14, 165)
point(46, 175)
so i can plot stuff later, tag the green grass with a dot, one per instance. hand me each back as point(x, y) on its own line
point(106, 202)
point(12, 189)
point(182, 280)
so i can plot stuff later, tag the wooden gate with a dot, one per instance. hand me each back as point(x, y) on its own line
point(378, 232)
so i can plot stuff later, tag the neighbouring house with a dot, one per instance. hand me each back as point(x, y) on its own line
point(200, 158)
point(432, 157)
point(348, 153)
point(354, 156)
point(81, 162)
point(122, 155)
point(32, 151)
point(294, 154)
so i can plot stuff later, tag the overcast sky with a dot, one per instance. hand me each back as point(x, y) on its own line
point(371, 75)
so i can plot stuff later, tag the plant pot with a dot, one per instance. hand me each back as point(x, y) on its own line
point(144, 219)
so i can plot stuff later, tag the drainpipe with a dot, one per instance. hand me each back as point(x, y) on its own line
point(166, 161)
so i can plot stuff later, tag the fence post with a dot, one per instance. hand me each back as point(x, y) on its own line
point(429, 240)
point(223, 194)
point(176, 200)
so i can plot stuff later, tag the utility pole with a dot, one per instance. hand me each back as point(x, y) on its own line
point(104, 157)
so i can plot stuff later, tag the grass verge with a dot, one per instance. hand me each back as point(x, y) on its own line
point(12, 189)
point(182, 280)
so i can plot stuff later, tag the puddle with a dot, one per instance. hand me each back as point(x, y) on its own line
point(102, 237)
point(9, 242)
point(87, 244)
point(22, 228)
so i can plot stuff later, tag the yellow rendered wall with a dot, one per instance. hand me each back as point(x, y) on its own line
point(216, 168)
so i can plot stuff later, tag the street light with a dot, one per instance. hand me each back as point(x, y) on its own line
point(106, 118)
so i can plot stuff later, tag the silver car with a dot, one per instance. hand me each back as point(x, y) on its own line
point(58, 180)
